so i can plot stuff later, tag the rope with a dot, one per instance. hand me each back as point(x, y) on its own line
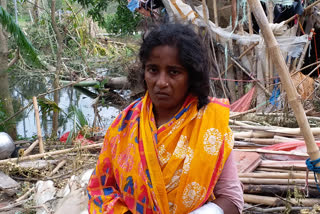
point(311, 165)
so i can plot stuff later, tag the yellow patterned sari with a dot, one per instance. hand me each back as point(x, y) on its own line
point(170, 169)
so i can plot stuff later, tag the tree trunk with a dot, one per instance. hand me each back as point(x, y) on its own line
point(5, 96)
point(35, 11)
point(55, 122)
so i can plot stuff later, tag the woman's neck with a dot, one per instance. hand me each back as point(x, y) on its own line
point(162, 116)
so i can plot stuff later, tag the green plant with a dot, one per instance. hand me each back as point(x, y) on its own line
point(123, 21)
point(79, 122)
point(26, 48)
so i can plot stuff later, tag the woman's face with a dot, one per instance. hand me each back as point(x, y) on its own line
point(166, 79)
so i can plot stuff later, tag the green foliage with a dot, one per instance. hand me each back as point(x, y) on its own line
point(79, 122)
point(47, 105)
point(96, 9)
point(26, 48)
point(123, 21)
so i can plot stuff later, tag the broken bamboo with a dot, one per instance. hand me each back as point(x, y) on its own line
point(276, 201)
point(265, 151)
point(58, 152)
point(301, 60)
point(293, 97)
point(30, 148)
point(274, 175)
point(36, 112)
point(276, 181)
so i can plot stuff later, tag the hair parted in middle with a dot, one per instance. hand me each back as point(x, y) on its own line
point(192, 54)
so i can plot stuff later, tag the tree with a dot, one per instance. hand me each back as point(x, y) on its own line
point(5, 96)
point(7, 24)
point(55, 116)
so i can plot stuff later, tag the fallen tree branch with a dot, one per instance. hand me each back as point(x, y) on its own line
point(59, 152)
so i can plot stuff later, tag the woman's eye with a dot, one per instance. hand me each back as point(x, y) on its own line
point(174, 72)
point(152, 70)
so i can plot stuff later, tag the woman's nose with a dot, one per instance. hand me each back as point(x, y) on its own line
point(162, 80)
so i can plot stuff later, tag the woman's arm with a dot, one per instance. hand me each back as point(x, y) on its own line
point(103, 193)
point(228, 190)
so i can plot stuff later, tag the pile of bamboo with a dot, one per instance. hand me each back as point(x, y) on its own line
point(281, 177)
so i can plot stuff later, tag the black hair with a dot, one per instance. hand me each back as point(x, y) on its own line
point(192, 55)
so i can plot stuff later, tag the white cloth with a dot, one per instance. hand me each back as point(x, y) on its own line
point(208, 208)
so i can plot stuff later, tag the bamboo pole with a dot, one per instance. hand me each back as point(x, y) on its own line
point(234, 13)
point(30, 148)
point(265, 151)
point(267, 169)
point(275, 181)
point(277, 189)
point(242, 113)
point(274, 201)
point(293, 97)
point(58, 152)
point(63, 162)
point(274, 175)
point(36, 112)
point(301, 60)
point(249, 20)
point(215, 11)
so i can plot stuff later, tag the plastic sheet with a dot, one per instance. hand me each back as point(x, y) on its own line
point(132, 5)
point(292, 45)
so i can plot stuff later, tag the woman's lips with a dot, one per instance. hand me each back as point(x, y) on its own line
point(162, 95)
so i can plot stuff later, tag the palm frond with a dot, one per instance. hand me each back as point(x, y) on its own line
point(27, 50)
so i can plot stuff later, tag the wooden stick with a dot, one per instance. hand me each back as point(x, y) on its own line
point(265, 141)
point(30, 148)
point(248, 73)
point(234, 13)
point(267, 169)
point(282, 69)
point(249, 20)
point(58, 152)
point(296, 165)
point(24, 196)
point(244, 53)
point(63, 162)
point(308, 75)
point(243, 113)
point(36, 112)
point(215, 11)
point(301, 60)
point(278, 189)
point(275, 175)
point(273, 201)
point(265, 151)
point(308, 66)
point(255, 209)
point(275, 181)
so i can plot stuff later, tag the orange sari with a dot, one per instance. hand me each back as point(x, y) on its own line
point(172, 169)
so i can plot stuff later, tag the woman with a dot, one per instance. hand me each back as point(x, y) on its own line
point(167, 152)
